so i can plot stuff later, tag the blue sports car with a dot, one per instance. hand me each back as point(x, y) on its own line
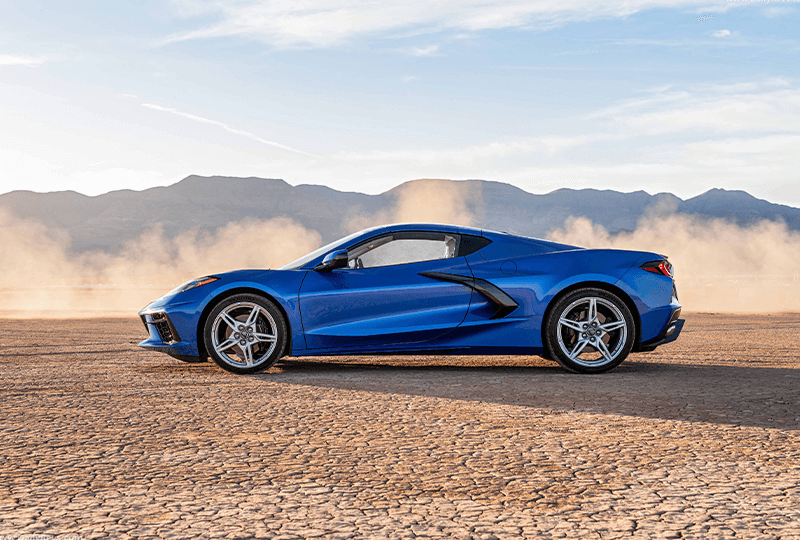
point(426, 289)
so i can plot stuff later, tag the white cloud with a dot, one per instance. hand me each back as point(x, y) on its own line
point(97, 182)
point(747, 86)
point(22, 60)
point(771, 145)
point(226, 127)
point(656, 42)
point(689, 42)
point(477, 154)
point(753, 107)
point(23, 170)
point(323, 23)
point(777, 11)
point(424, 51)
point(738, 135)
point(675, 118)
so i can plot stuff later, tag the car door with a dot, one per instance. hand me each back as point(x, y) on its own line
point(380, 300)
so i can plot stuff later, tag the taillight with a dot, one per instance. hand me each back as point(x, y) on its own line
point(663, 268)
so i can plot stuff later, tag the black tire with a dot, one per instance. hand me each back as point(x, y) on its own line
point(237, 330)
point(583, 342)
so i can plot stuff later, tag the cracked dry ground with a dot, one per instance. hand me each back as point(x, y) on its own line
point(697, 440)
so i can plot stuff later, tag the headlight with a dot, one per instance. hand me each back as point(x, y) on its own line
point(189, 285)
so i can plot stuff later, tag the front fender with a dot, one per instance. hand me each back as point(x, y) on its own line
point(284, 291)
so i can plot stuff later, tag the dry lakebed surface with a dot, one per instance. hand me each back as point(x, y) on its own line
point(101, 439)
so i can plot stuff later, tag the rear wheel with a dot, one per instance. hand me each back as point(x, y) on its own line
point(590, 331)
point(245, 333)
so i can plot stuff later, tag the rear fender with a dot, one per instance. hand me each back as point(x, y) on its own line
point(537, 279)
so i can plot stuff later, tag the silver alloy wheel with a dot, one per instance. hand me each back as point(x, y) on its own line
point(244, 334)
point(592, 331)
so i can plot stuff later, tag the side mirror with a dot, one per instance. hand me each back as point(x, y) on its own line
point(334, 259)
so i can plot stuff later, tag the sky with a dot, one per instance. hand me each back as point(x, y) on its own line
point(662, 96)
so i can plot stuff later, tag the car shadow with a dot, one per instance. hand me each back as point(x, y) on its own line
point(766, 397)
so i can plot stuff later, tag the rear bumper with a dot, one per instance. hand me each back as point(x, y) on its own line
point(670, 333)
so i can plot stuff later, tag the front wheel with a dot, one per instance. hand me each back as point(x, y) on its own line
point(590, 331)
point(245, 333)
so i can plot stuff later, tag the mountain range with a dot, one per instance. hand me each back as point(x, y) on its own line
point(207, 203)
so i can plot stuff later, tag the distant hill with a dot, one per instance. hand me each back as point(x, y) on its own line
point(107, 221)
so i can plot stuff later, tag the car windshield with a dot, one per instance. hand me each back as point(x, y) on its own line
point(305, 259)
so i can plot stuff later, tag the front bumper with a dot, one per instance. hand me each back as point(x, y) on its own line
point(169, 332)
point(163, 325)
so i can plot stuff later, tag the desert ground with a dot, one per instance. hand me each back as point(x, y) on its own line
point(699, 439)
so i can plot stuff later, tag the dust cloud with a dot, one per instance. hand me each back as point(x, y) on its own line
point(720, 266)
point(39, 278)
point(426, 201)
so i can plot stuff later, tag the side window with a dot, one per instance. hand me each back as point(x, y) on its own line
point(403, 248)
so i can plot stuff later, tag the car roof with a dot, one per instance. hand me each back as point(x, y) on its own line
point(437, 227)
point(366, 234)
point(459, 229)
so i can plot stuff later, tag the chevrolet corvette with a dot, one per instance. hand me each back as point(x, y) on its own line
point(426, 289)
